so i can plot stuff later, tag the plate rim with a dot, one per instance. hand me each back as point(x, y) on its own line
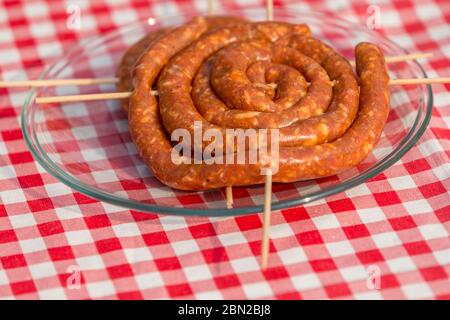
point(407, 142)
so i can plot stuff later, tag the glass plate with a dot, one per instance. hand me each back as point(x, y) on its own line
point(87, 145)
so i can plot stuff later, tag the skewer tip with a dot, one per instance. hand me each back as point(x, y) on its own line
point(229, 195)
point(265, 245)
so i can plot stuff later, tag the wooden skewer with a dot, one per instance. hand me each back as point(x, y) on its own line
point(229, 189)
point(266, 220)
point(87, 97)
point(394, 82)
point(84, 97)
point(404, 57)
point(93, 81)
point(265, 242)
point(269, 10)
point(57, 82)
point(125, 95)
point(229, 195)
point(211, 8)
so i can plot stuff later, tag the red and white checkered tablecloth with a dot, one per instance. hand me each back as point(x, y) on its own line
point(396, 225)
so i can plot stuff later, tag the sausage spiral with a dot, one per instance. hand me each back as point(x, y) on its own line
point(261, 75)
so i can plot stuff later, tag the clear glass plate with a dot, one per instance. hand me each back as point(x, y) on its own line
point(87, 145)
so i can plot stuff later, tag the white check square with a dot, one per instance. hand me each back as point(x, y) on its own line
point(326, 221)
point(292, 256)
point(35, 9)
point(402, 264)
point(354, 273)
point(306, 282)
point(281, 230)
point(22, 220)
point(442, 256)
point(340, 248)
point(257, 290)
point(84, 132)
point(209, 295)
point(185, 247)
point(52, 294)
point(69, 212)
point(386, 239)
point(13, 196)
point(229, 239)
point(245, 264)
point(197, 273)
point(90, 263)
point(149, 280)
point(124, 16)
point(3, 150)
point(78, 237)
point(42, 270)
point(134, 255)
point(433, 231)
point(417, 206)
point(6, 172)
point(57, 189)
point(100, 289)
point(104, 176)
point(429, 11)
point(49, 49)
point(32, 245)
point(402, 183)
point(3, 277)
point(42, 29)
point(126, 230)
point(417, 291)
point(94, 154)
point(369, 295)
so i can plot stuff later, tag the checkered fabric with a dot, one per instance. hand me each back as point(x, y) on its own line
point(385, 239)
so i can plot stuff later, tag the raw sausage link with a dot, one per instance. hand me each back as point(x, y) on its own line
point(331, 136)
point(132, 55)
point(241, 104)
point(179, 109)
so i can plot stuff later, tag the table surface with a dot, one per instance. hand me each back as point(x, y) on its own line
point(392, 231)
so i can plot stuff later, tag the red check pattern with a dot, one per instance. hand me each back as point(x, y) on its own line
point(396, 226)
